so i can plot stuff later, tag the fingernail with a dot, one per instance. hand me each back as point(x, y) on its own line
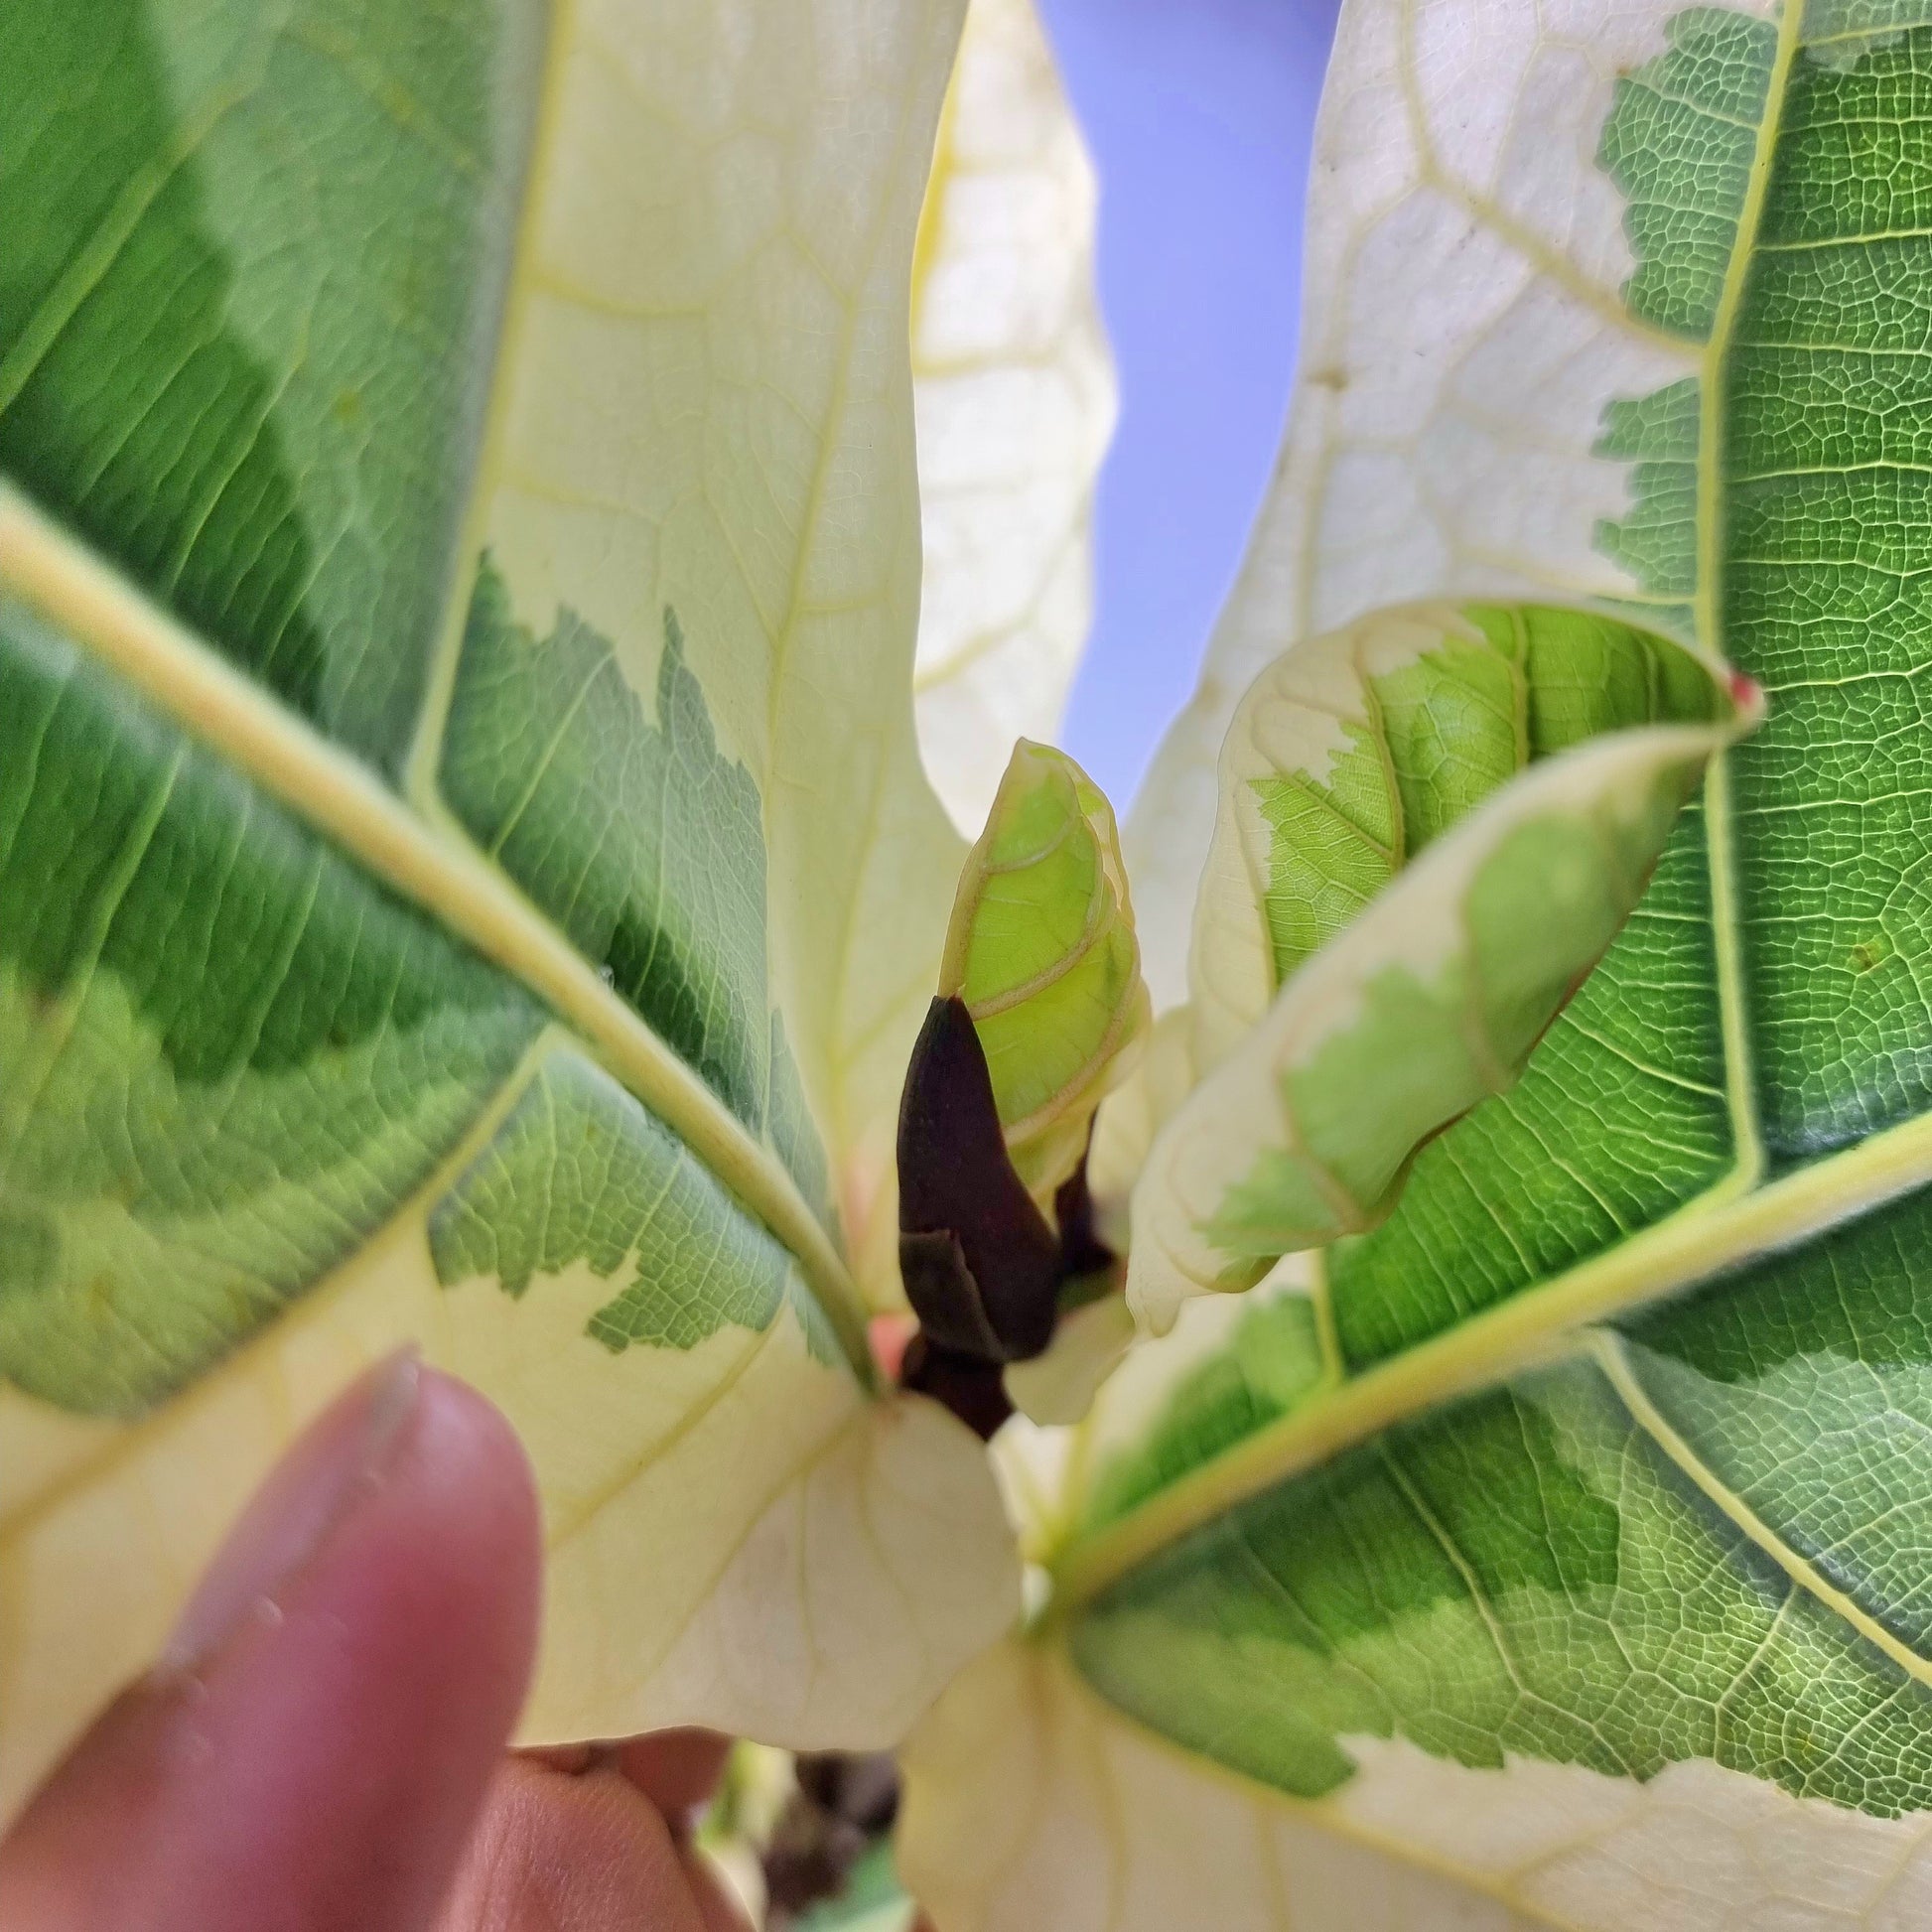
point(332, 1468)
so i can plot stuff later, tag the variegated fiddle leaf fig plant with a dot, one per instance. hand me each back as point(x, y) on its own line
point(1448, 1174)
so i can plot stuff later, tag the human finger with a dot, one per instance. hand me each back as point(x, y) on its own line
point(310, 1750)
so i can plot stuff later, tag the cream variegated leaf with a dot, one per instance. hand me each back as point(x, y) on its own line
point(1462, 327)
point(466, 873)
point(1561, 1533)
point(1354, 752)
point(1013, 396)
point(1029, 1803)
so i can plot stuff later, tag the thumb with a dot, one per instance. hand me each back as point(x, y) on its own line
point(308, 1752)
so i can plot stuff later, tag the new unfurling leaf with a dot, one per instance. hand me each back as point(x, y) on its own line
point(1041, 952)
point(1040, 1004)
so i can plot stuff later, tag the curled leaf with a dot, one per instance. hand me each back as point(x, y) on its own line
point(1040, 1005)
point(1041, 952)
point(1432, 998)
point(1353, 752)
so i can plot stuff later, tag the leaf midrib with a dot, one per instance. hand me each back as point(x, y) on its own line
point(1532, 1329)
point(426, 863)
point(1706, 611)
point(1611, 1353)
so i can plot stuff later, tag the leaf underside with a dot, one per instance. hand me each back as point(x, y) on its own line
point(444, 797)
point(1602, 1465)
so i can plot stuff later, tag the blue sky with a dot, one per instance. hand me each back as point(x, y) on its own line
point(1198, 114)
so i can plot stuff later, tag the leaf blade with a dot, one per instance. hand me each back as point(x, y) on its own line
point(662, 1344)
point(1635, 1362)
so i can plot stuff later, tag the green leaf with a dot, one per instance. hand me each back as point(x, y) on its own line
point(873, 1899)
point(466, 873)
point(1552, 1551)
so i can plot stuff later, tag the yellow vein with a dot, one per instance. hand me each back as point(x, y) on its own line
point(1534, 1328)
point(342, 799)
point(1612, 1357)
point(1741, 1075)
point(1740, 1087)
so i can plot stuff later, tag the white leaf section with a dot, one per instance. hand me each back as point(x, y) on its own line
point(1057, 1388)
point(1029, 1804)
point(881, 1562)
point(1014, 400)
point(1130, 1117)
point(738, 1536)
point(1463, 329)
point(1696, 1848)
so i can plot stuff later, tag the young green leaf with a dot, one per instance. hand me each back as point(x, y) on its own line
point(465, 870)
point(1344, 758)
point(1041, 1006)
point(1041, 952)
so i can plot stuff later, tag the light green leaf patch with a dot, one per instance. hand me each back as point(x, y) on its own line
point(642, 840)
point(465, 873)
point(582, 1170)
